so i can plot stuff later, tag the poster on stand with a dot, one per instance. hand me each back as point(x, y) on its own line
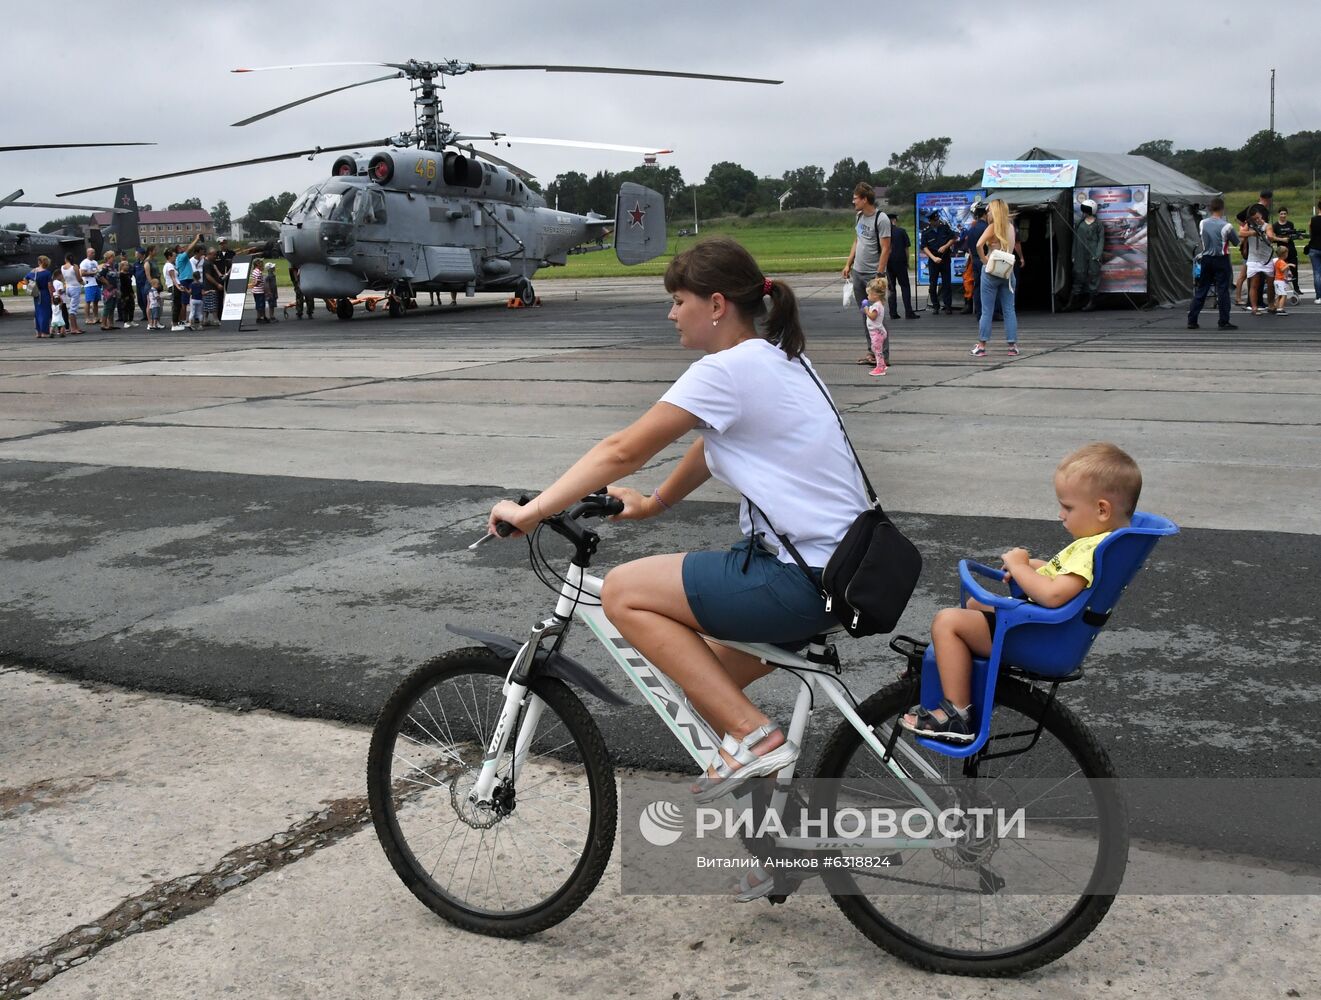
point(1123, 213)
point(955, 208)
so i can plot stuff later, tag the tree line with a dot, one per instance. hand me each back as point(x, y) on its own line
point(731, 189)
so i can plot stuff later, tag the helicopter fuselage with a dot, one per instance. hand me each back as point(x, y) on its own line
point(435, 221)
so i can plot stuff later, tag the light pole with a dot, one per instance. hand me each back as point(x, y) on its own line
point(696, 230)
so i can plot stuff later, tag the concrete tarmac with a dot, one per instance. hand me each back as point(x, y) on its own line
point(278, 520)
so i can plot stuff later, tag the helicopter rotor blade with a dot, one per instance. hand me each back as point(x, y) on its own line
point(57, 204)
point(264, 69)
point(305, 100)
point(237, 163)
point(70, 145)
point(574, 143)
point(623, 71)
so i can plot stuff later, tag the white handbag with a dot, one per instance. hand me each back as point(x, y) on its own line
point(1000, 263)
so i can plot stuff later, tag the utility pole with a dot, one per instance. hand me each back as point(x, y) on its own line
point(696, 230)
point(1272, 184)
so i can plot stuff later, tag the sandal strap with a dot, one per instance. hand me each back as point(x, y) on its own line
point(741, 750)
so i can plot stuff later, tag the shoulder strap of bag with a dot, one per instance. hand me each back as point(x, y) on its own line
point(871, 493)
point(754, 510)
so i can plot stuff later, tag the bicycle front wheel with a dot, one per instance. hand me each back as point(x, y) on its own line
point(992, 905)
point(531, 858)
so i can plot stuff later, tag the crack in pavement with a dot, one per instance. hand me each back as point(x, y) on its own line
point(171, 900)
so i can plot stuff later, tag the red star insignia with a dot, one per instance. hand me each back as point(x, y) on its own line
point(636, 215)
point(127, 201)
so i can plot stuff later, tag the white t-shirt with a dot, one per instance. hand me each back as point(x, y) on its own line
point(771, 435)
point(88, 269)
point(56, 291)
point(171, 274)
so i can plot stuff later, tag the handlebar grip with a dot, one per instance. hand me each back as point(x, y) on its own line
point(613, 506)
point(503, 528)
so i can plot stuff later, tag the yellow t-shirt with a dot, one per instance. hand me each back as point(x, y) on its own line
point(1076, 557)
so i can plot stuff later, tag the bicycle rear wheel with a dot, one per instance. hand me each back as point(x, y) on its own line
point(947, 909)
point(533, 857)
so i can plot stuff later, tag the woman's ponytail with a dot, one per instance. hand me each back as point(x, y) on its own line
point(782, 324)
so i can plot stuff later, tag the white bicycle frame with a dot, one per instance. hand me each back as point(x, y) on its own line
point(689, 728)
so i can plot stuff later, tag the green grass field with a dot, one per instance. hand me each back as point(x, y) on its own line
point(792, 242)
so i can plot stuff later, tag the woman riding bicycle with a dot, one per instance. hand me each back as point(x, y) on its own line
point(767, 433)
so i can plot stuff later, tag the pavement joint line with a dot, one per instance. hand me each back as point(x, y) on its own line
point(173, 899)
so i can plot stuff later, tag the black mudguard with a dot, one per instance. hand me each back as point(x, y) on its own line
point(558, 665)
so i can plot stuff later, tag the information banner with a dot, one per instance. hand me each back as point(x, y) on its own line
point(1030, 173)
point(236, 293)
point(1123, 213)
point(955, 208)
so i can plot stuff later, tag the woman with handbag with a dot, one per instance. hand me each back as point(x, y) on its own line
point(770, 433)
point(997, 251)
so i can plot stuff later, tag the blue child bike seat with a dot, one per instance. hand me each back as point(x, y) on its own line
point(1043, 643)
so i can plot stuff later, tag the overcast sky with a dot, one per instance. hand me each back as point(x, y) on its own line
point(1039, 74)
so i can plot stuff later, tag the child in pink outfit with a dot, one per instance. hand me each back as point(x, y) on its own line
point(873, 307)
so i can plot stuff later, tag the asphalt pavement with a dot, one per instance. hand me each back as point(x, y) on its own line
point(278, 519)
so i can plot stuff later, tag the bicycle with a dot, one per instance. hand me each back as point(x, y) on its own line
point(487, 743)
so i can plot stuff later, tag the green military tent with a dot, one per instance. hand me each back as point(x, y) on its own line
point(1177, 203)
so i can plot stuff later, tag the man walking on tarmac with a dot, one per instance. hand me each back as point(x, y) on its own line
point(870, 254)
point(1216, 236)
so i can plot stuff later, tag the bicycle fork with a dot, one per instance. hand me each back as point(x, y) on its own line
point(517, 699)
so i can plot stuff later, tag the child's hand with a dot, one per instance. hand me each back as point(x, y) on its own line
point(1015, 557)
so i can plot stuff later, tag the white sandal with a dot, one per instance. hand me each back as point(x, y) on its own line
point(747, 764)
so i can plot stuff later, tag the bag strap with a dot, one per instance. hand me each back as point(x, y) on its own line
point(754, 510)
point(871, 493)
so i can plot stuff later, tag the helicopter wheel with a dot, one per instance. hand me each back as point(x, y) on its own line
point(344, 308)
point(526, 293)
point(396, 308)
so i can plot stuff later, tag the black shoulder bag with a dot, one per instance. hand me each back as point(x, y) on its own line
point(875, 568)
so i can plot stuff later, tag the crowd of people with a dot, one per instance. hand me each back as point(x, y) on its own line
point(877, 269)
point(116, 292)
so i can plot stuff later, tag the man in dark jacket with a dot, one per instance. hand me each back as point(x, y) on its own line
point(938, 248)
point(896, 270)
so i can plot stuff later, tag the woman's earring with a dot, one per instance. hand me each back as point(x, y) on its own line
point(715, 322)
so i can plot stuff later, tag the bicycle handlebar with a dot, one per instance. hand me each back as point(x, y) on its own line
point(593, 505)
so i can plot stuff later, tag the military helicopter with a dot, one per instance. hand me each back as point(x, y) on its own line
point(19, 248)
point(431, 212)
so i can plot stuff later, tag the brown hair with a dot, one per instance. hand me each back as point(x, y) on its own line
point(1217, 204)
point(719, 264)
point(866, 192)
point(1109, 470)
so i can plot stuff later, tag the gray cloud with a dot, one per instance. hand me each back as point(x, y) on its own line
point(1082, 76)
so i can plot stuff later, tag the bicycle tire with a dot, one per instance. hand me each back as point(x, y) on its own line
point(577, 758)
point(1013, 698)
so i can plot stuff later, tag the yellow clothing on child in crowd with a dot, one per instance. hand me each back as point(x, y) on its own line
point(1076, 557)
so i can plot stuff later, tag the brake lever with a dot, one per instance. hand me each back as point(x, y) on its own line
point(502, 528)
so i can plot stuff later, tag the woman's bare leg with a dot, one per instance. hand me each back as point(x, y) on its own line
point(645, 600)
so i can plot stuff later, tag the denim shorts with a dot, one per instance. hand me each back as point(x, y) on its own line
point(748, 595)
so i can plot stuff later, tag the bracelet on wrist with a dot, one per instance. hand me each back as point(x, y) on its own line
point(659, 499)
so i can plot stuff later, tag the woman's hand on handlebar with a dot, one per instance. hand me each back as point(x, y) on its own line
point(522, 518)
point(636, 506)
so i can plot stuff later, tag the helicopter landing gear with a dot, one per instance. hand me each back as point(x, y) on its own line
point(524, 297)
point(344, 308)
point(396, 307)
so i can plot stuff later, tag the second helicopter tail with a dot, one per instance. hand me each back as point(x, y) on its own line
point(639, 224)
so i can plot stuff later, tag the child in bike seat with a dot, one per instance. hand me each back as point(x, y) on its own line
point(1097, 487)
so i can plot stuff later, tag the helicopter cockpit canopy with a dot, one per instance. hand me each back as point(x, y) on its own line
point(337, 201)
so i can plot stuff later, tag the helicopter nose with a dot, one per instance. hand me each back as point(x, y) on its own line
point(303, 243)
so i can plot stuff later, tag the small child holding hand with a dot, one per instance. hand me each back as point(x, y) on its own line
point(154, 305)
point(1097, 487)
point(873, 308)
point(1283, 275)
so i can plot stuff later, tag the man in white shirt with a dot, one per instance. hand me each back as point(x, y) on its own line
point(87, 270)
point(178, 296)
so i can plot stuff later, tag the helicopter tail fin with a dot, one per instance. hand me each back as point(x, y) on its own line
point(639, 224)
point(122, 233)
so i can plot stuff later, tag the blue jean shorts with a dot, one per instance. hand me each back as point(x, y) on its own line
point(747, 595)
